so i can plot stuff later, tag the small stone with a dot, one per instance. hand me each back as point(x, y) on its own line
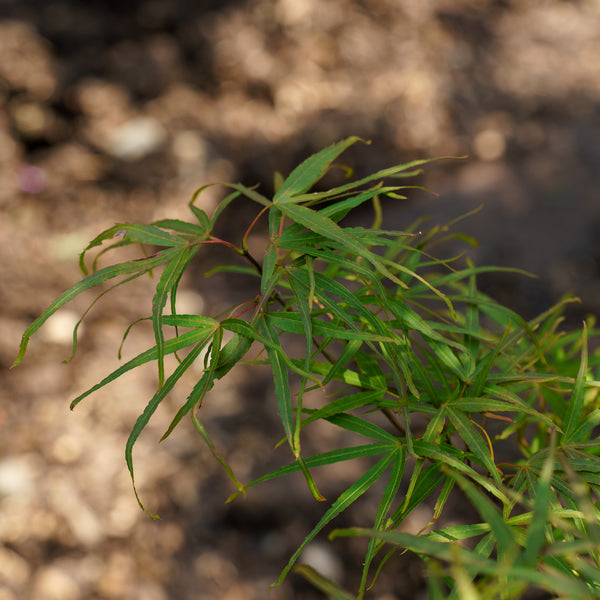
point(322, 559)
point(66, 499)
point(52, 583)
point(66, 449)
point(14, 570)
point(59, 327)
point(189, 302)
point(17, 475)
point(136, 138)
point(489, 144)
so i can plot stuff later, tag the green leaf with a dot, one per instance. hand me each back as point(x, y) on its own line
point(343, 404)
point(435, 426)
point(340, 209)
point(172, 345)
point(396, 171)
point(362, 427)
point(441, 500)
point(487, 362)
point(369, 367)
point(413, 275)
point(474, 440)
point(167, 285)
point(541, 509)
point(422, 484)
point(199, 322)
point(492, 390)
point(454, 459)
point(269, 273)
point(249, 334)
point(585, 428)
point(418, 544)
point(250, 193)
point(389, 495)
point(202, 431)
point(400, 373)
point(293, 323)
point(459, 532)
point(572, 420)
point(232, 269)
point(202, 218)
point(204, 384)
point(328, 587)
point(439, 344)
point(425, 379)
point(323, 459)
point(278, 180)
point(90, 306)
point(151, 407)
point(141, 266)
point(357, 489)
point(305, 316)
point(280, 379)
point(315, 221)
point(549, 579)
point(131, 233)
point(305, 175)
point(147, 234)
point(198, 233)
point(310, 482)
point(325, 285)
point(472, 319)
point(435, 586)
point(349, 377)
point(505, 539)
point(349, 351)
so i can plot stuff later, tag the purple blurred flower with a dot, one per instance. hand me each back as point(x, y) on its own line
point(32, 180)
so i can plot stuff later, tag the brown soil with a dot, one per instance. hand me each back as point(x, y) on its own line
point(116, 111)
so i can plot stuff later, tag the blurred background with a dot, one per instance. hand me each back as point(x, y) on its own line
point(113, 111)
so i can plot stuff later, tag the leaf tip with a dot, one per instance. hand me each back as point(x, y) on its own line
point(235, 495)
point(22, 351)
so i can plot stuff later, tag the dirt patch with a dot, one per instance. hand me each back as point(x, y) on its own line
point(115, 111)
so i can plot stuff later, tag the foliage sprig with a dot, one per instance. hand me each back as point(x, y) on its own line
point(399, 333)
